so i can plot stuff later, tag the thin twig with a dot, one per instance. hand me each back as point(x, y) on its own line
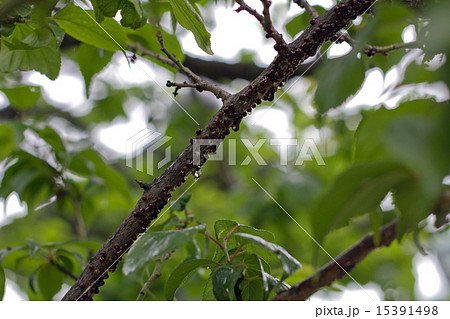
point(155, 275)
point(264, 19)
point(178, 86)
point(63, 270)
point(172, 61)
point(308, 8)
point(214, 240)
point(371, 50)
point(177, 62)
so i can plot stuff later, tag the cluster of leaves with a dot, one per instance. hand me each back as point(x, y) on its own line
point(49, 264)
point(238, 269)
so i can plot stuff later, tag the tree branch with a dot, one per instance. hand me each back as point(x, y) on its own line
point(333, 271)
point(371, 50)
point(234, 109)
point(200, 84)
point(265, 21)
point(308, 8)
point(214, 70)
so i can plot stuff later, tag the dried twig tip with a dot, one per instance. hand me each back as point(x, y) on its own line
point(143, 185)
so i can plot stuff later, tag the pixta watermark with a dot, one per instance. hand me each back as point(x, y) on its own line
point(153, 147)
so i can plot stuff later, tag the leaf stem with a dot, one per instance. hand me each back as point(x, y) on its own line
point(214, 240)
point(237, 253)
point(225, 243)
point(155, 275)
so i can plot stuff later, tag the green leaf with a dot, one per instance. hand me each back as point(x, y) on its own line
point(417, 73)
point(357, 191)
point(65, 261)
point(113, 179)
point(301, 22)
point(337, 80)
point(436, 33)
point(31, 178)
point(388, 23)
point(91, 61)
point(224, 278)
point(50, 280)
point(187, 17)
point(384, 62)
point(252, 290)
point(132, 11)
point(51, 137)
point(81, 25)
point(59, 34)
point(208, 294)
point(415, 134)
point(24, 10)
point(153, 245)
point(2, 283)
point(23, 97)
point(423, 144)
point(376, 221)
point(46, 59)
point(223, 226)
point(27, 36)
point(181, 273)
point(133, 14)
point(156, 10)
point(33, 247)
point(181, 203)
point(289, 263)
point(7, 140)
point(105, 8)
point(371, 133)
point(255, 268)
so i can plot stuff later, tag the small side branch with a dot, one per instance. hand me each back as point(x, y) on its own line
point(173, 62)
point(179, 86)
point(265, 21)
point(63, 270)
point(308, 8)
point(155, 275)
point(333, 271)
point(371, 50)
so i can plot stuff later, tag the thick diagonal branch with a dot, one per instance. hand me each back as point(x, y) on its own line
point(334, 270)
point(235, 108)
